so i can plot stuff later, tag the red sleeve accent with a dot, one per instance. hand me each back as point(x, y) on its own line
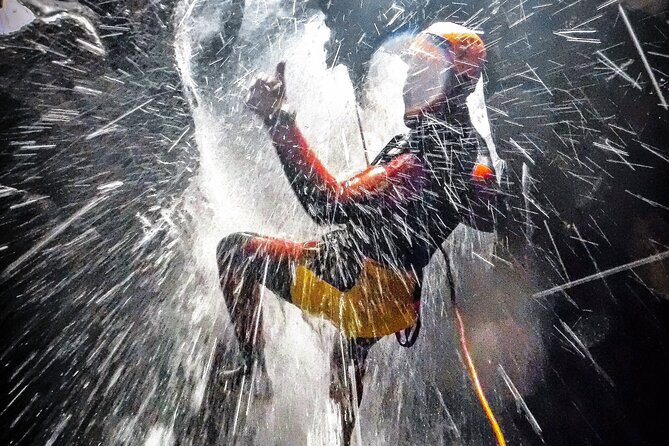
point(277, 249)
point(327, 200)
point(293, 148)
point(393, 182)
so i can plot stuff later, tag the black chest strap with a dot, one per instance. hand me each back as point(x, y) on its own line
point(395, 147)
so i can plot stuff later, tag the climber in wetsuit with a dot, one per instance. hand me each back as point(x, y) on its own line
point(365, 275)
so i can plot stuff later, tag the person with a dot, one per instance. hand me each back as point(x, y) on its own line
point(387, 221)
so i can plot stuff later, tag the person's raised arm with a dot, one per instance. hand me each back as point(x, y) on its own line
point(325, 199)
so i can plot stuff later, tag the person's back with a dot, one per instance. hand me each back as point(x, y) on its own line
point(407, 230)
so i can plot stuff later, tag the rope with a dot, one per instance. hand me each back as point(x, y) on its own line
point(471, 368)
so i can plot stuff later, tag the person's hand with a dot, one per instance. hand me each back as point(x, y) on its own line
point(266, 95)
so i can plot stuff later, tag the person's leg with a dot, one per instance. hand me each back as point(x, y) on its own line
point(245, 262)
point(348, 355)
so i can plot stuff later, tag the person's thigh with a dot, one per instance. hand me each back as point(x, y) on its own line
point(271, 261)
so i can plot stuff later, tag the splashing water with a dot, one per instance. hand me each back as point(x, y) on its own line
point(123, 173)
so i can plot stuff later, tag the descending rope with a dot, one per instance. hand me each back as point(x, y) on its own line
point(362, 134)
point(471, 368)
point(477, 384)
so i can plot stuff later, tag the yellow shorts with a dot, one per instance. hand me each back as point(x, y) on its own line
point(380, 303)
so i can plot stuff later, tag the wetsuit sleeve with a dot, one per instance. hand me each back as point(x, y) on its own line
point(328, 201)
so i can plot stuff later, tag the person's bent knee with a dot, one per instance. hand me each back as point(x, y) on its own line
point(230, 250)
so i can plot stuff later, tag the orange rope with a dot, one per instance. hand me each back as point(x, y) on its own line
point(477, 384)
